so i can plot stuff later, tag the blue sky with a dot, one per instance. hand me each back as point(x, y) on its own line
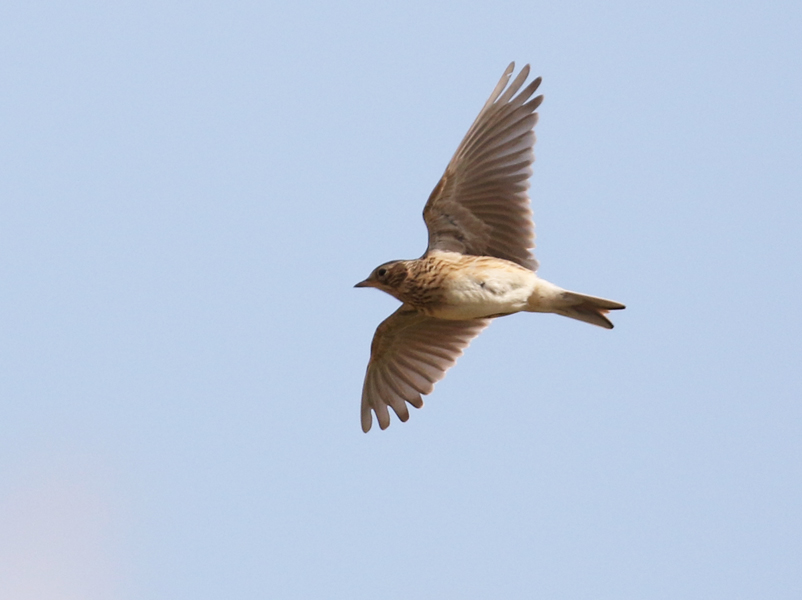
point(189, 192)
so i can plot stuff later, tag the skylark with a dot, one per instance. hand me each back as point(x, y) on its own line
point(478, 264)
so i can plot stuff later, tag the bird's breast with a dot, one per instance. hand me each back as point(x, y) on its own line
point(482, 288)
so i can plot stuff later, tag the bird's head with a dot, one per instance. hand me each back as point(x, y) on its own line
point(387, 277)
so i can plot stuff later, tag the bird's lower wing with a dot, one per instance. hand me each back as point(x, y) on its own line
point(411, 352)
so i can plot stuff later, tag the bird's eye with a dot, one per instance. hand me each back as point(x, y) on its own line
point(381, 272)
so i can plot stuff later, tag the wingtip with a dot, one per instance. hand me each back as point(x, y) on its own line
point(367, 420)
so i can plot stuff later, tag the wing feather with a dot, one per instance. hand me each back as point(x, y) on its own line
point(411, 352)
point(481, 205)
point(390, 395)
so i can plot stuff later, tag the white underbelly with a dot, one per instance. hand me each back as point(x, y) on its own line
point(486, 293)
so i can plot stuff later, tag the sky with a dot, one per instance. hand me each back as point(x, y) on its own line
point(189, 192)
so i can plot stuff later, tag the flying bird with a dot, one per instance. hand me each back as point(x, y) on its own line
point(478, 264)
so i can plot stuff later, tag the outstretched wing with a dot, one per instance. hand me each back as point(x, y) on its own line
point(481, 206)
point(411, 352)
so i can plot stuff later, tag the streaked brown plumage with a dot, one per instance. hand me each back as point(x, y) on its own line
point(478, 264)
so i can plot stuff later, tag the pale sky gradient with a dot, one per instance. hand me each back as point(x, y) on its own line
point(189, 192)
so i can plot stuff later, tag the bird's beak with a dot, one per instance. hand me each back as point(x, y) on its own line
point(366, 283)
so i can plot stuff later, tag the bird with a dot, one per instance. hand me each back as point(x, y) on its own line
point(478, 264)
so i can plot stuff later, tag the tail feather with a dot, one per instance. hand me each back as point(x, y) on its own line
point(589, 309)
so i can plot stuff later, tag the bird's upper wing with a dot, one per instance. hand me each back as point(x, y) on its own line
point(481, 206)
point(411, 352)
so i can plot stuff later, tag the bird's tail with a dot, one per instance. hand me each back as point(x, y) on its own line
point(589, 309)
